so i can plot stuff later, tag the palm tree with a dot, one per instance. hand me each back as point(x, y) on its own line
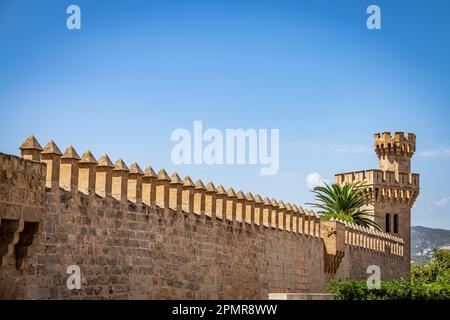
point(344, 202)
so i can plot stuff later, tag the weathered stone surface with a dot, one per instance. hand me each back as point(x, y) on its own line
point(128, 249)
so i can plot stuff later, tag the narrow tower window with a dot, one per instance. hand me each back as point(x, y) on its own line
point(388, 222)
point(395, 223)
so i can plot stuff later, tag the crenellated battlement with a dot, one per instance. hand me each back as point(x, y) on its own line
point(392, 191)
point(376, 176)
point(395, 152)
point(397, 144)
point(371, 239)
point(146, 234)
point(147, 189)
point(385, 185)
point(126, 184)
point(340, 236)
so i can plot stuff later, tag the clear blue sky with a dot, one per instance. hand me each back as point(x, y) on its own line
point(137, 70)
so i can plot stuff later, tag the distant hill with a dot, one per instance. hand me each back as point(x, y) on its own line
point(424, 240)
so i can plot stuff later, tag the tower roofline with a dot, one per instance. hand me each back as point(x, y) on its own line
point(397, 144)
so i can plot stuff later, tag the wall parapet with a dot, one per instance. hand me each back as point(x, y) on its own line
point(337, 235)
point(373, 240)
point(383, 185)
point(102, 178)
point(380, 177)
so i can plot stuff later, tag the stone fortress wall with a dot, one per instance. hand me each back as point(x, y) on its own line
point(138, 234)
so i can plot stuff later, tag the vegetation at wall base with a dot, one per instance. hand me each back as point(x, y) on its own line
point(428, 282)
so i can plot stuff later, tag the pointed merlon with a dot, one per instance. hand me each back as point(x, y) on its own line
point(313, 213)
point(88, 157)
point(187, 182)
point(52, 148)
point(240, 195)
point(267, 202)
point(120, 166)
point(105, 161)
point(258, 199)
point(221, 190)
point(134, 168)
point(210, 187)
point(149, 172)
point(175, 179)
point(199, 185)
point(231, 193)
point(274, 202)
point(70, 153)
point(162, 175)
point(289, 207)
point(249, 197)
point(295, 208)
point(281, 204)
point(31, 143)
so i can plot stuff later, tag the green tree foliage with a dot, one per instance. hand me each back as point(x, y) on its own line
point(428, 282)
point(344, 202)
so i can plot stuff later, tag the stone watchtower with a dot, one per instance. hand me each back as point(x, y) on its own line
point(395, 152)
point(392, 188)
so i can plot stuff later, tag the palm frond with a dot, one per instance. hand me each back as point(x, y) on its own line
point(344, 202)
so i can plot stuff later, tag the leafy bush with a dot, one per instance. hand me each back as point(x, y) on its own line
point(428, 282)
point(358, 290)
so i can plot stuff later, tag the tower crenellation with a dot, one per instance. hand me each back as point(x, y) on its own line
point(395, 151)
point(393, 188)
